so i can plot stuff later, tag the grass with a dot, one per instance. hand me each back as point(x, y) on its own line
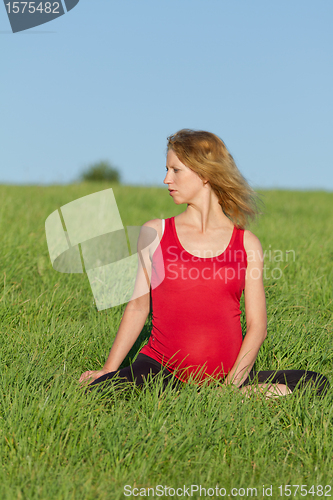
point(58, 443)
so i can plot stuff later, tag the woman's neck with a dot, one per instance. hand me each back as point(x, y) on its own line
point(205, 213)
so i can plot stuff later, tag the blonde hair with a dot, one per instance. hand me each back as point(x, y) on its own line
point(206, 154)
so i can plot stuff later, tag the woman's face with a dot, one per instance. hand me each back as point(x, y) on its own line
point(184, 185)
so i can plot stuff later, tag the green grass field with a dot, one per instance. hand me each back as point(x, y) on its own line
point(58, 443)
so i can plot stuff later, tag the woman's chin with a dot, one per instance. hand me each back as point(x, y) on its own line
point(177, 199)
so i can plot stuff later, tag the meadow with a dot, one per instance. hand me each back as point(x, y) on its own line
point(59, 443)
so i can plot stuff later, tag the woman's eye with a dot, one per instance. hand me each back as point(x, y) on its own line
point(172, 168)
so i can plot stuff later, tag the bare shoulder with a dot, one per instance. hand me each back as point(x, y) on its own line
point(252, 244)
point(155, 224)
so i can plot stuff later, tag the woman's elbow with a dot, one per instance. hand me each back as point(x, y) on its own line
point(264, 334)
point(262, 327)
point(141, 304)
point(257, 331)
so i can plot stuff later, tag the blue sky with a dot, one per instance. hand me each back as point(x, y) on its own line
point(111, 80)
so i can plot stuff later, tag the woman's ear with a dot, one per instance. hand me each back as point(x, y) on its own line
point(204, 181)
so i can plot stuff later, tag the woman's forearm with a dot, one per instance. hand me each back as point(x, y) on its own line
point(247, 355)
point(132, 322)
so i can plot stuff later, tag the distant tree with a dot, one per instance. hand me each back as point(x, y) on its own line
point(101, 171)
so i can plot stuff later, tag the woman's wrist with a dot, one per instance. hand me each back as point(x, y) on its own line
point(109, 368)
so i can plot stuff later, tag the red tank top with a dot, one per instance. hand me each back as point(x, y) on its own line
point(196, 314)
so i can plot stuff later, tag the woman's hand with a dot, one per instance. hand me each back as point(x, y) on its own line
point(91, 375)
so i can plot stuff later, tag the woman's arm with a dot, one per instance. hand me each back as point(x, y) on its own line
point(136, 311)
point(255, 312)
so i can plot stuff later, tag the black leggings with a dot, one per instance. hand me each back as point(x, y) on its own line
point(291, 378)
point(145, 367)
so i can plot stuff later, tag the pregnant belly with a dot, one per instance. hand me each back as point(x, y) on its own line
point(202, 353)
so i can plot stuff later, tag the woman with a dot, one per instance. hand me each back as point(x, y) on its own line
point(197, 277)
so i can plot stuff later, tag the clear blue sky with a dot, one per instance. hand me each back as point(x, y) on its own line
point(112, 79)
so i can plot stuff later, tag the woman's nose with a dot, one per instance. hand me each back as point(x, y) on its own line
point(167, 178)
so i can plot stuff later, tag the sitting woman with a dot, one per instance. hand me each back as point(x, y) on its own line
point(196, 279)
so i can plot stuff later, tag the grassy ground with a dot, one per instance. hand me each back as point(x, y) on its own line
point(58, 443)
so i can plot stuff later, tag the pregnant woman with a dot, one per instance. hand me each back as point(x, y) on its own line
point(205, 260)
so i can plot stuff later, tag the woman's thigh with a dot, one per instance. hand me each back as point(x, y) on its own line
point(141, 369)
point(290, 378)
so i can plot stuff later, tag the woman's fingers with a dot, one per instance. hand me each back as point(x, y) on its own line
point(86, 375)
point(91, 375)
